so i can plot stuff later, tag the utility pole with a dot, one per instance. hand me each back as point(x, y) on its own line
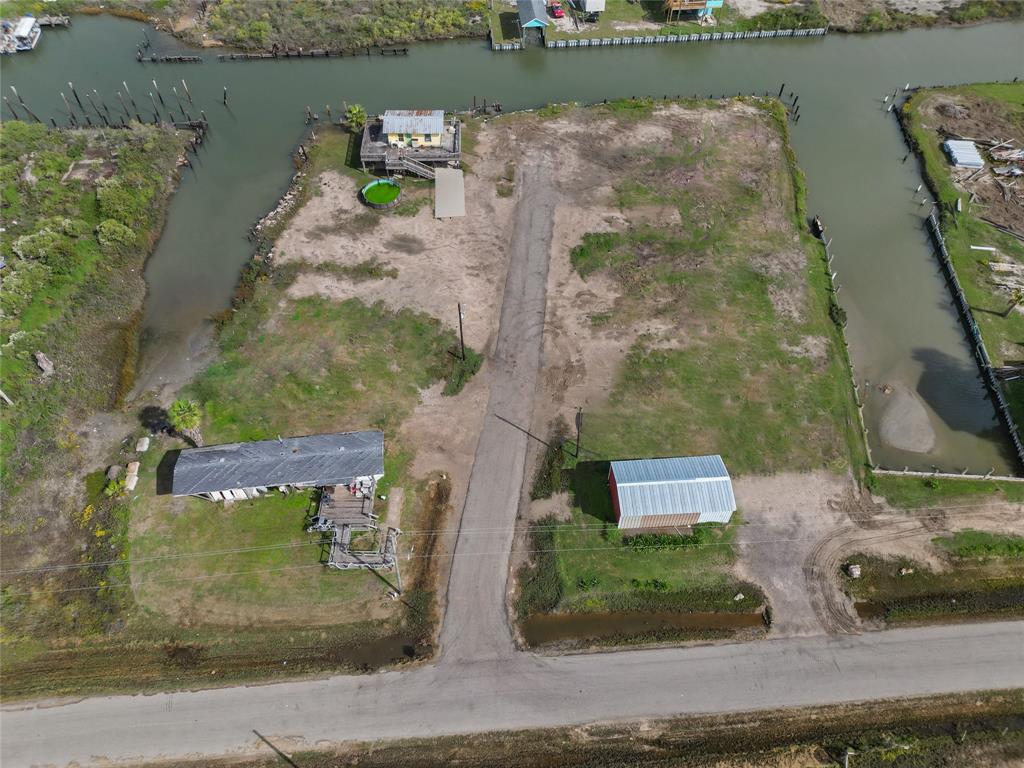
point(462, 338)
point(579, 428)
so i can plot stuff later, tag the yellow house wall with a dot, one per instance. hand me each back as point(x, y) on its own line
point(417, 140)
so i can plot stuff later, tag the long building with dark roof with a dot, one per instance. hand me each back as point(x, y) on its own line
point(246, 470)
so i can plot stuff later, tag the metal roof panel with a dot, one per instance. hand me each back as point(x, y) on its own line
point(330, 459)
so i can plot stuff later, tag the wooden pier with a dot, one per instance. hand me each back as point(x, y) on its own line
point(156, 59)
point(54, 21)
point(313, 53)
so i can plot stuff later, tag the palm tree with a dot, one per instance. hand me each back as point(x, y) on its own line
point(355, 116)
point(1015, 298)
point(185, 417)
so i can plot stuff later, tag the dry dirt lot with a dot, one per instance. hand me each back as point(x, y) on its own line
point(972, 116)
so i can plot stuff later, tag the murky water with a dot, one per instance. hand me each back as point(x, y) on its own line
point(902, 331)
point(542, 629)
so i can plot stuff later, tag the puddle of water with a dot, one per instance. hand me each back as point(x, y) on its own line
point(547, 628)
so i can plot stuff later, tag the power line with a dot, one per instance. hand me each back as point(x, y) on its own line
point(925, 512)
point(654, 549)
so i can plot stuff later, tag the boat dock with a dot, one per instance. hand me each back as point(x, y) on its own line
point(156, 59)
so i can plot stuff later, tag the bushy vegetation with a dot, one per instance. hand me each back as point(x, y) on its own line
point(551, 476)
point(327, 23)
point(902, 590)
point(703, 535)
point(540, 586)
point(74, 247)
point(462, 370)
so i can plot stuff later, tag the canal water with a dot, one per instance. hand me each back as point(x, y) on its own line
point(547, 628)
point(902, 331)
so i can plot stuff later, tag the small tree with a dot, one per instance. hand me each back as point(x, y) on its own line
point(185, 418)
point(355, 116)
point(1015, 298)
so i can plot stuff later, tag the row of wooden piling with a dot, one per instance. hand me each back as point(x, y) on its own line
point(313, 53)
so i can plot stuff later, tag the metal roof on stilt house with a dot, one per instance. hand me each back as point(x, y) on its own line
point(315, 460)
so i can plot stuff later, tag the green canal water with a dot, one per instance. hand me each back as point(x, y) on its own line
point(902, 328)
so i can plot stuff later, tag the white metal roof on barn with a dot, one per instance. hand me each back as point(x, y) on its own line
point(964, 154)
point(673, 486)
point(414, 121)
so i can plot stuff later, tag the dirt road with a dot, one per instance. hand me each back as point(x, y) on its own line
point(476, 589)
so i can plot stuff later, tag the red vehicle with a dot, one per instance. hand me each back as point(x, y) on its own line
point(556, 10)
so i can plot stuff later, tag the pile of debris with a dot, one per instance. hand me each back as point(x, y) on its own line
point(1005, 161)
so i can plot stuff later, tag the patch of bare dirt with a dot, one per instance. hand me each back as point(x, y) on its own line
point(439, 263)
point(848, 15)
point(972, 117)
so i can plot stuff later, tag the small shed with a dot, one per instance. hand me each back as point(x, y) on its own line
point(671, 492)
point(533, 14)
point(964, 154)
point(246, 470)
point(449, 193)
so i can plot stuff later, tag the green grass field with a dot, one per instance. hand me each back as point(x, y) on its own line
point(916, 492)
point(739, 385)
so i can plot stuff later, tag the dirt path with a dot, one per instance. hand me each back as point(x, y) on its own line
point(476, 588)
point(784, 516)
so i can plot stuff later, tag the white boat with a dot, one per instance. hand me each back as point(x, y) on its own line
point(22, 35)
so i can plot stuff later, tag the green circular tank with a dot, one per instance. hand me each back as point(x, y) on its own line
point(382, 193)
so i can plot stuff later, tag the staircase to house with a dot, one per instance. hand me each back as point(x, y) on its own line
point(414, 166)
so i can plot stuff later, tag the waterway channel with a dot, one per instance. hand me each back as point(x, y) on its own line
point(903, 331)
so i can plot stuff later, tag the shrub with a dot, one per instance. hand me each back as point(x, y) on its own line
point(540, 586)
point(836, 313)
point(113, 235)
point(551, 477)
point(38, 245)
point(462, 371)
point(703, 534)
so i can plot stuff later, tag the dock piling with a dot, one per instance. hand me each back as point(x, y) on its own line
point(157, 89)
point(781, 89)
point(11, 107)
point(225, 95)
point(188, 93)
point(75, 94)
point(130, 97)
point(102, 102)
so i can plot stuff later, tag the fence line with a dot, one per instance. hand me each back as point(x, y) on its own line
point(948, 475)
point(977, 344)
point(596, 42)
point(849, 360)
